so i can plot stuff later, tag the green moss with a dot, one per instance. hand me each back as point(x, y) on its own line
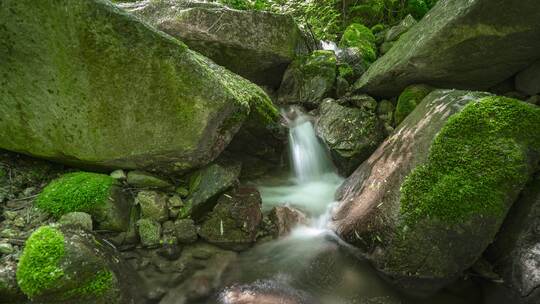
point(361, 37)
point(417, 8)
point(38, 267)
point(346, 71)
point(78, 191)
point(97, 286)
point(408, 100)
point(378, 28)
point(478, 157)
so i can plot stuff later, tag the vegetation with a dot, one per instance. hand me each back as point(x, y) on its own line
point(361, 37)
point(78, 191)
point(474, 162)
point(99, 285)
point(38, 268)
point(408, 100)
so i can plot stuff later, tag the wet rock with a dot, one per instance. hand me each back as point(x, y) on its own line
point(309, 79)
point(207, 183)
point(515, 254)
point(76, 220)
point(73, 265)
point(385, 112)
point(149, 232)
point(351, 133)
point(186, 231)
point(96, 194)
point(175, 206)
point(528, 80)
point(153, 205)
point(398, 207)
point(265, 292)
point(473, 35)
point(234, 221)
point(183, 92)
point(254, 44)
point(286, 218)
point(141, 179)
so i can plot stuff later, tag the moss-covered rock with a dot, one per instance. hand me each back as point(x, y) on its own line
point(309, 79)
point(396, 31)
point(149, 232)
point(359, 36)
point(459, 44)
point(93, 193)
point(59, 266)
point(254, 44)
point(352, 133)
point(98, 73)
point(451, 172)
point(408, 100)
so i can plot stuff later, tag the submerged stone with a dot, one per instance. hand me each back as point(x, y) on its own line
point(87, 83)
point(448, 175)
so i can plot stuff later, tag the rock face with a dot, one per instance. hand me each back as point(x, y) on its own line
point(464, 44)
point(516, 253)
point(446, 176)
point(59, 266)
point(254, 44)
point(309, 79)
point(528, 80)
point(103, 89)
point(234, 222)
point(351, 133)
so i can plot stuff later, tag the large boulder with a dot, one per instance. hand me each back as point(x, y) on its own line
point(351, 132)
point(516, 253)
point(464, 44)
point(86, 83)
point(254, 44)
point(431, 198)
point(63, 266)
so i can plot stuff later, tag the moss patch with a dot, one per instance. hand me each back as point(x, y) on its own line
point(477, 158)
point(99, 285)
point(409, 99)
point(361, 37)
point(38, 267)
point(78, 191)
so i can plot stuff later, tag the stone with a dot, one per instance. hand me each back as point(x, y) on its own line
point(186, 231)
point(342, 86)
point(385, 111)
point(528, 80)
point(6, 248)
point(107, 69)
point(182, 191)
point(79, 220)
point(234, 221)
point(534, 100)
point(286, 218)
point(9, 290)
point(350, 58)
point(360, 37)
point(149, 232)
point(142, 179)
point(395, 32)
point(457, 148)
point(175, 206)
point(96, 194)
point(63, 265)
point(153, 205)
point(409, 99)
point(309, 79)
point(208, 183)
point(255, 44)
point(119, 174)
point(350, 133)
point(460, 44)
point(386, 46)
point(515, 255)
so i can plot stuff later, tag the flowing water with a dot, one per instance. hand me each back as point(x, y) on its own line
point(311, 265)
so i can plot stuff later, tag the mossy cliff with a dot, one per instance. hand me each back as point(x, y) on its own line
point(84, 82)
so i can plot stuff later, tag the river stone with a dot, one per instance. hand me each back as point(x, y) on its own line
point(397, 207)
point(186, 231)
point(143, 179)
point(77, 78)
point(149, 232)
point(80, 220)
point(153, 205)
point(234, 222)
point(208, 183)
point(59, 266)
point(286, 218)
point(528, 80)
point(463, 44)
point(254, 44)
point(351, 133)
point(515, 254)
point(309, 79)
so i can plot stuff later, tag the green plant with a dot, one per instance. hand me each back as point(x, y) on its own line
point(359, 36)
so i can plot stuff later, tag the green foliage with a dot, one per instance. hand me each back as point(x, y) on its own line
point(361, 37)
point(408, 100)
point(246, 4)
point(417, 8)
point(38, 267)
point(346, 71)
point(78, 191)
point(477, 159)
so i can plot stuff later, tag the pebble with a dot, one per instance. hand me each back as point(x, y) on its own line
point(6, 248)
